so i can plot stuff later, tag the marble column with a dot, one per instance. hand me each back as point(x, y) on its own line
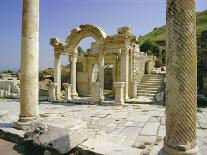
point(57, 73)
point(67, 88)
point(73, 75)
point(181, 78)
point(101, 75)
point(119, 93)
point(125, 71)
point(29, 81)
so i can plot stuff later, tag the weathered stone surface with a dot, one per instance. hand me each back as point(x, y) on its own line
point(94, 146)
point(55, 138)
point(150, 129)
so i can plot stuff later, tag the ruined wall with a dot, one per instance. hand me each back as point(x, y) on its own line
point(139, 66)
point(13, 84)
point(9, 88)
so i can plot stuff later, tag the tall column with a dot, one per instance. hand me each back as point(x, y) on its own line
point(57, 73)
point(101, 75)
point(125, 71)
point(73, 75)
point(29, 81)
point(181, 78)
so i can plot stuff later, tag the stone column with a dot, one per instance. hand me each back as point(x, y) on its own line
point(73, 75)
point(101, 75)
point(57, 73)
point(114, 77)
point(181, 78)
point(52, 91)
point(125, 71)
point(119, 93)
point(29, 61)
point(95, 92)
point(67, 88)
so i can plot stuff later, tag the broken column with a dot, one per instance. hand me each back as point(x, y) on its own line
point(181, 78)
point(58, 49)
point(67, 88)
point(73, 75)
point(52, 91)
point(95, 92)
point(29, 81)
point(119, 92)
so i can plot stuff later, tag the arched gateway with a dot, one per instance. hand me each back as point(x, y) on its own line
point(72, 43)
point(84, 31)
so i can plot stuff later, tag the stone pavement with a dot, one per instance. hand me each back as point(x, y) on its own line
point(112, 130)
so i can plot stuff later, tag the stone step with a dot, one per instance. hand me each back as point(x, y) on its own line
point(148, 87)
point(151, 85)
point(152, 79)
point(151, 75)
point(147, 91)
point(146, 94)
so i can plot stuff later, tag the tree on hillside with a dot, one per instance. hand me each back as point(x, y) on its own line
point(150, 48)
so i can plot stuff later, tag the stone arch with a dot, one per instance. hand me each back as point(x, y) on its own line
point(82, 32)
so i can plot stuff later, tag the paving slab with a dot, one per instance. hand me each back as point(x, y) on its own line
point(150, 129)
point(93, 146)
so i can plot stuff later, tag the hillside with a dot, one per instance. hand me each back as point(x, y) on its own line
point(158, 34)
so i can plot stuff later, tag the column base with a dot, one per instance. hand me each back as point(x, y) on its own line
point(166, 150)
point(74, 95)
point(24, 123)
point(118, 102)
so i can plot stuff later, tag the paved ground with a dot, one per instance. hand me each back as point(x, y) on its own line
point(114, 130)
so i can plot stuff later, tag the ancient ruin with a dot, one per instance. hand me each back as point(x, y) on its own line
point(120, 51)
point(120, 128)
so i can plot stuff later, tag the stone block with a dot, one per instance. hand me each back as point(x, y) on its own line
point(62, 140)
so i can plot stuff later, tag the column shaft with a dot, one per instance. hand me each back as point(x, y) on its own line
point(125, 71)
point(101, 75)
point(29, 81)
point(73, 76)
point(181, 78)
point(57, 74)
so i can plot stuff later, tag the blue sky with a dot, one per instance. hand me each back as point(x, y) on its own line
point(58, 17)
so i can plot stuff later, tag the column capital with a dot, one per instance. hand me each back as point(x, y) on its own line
point(57, 44)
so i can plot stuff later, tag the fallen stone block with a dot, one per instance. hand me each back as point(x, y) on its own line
point(60, 140)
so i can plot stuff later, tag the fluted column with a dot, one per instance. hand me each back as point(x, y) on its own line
point(101, 75)
point(57, 73)
point(29, 82)
point(125, 71)
point(73, 75)
point(181, 78)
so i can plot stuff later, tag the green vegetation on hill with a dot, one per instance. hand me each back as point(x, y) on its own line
point(158, 35)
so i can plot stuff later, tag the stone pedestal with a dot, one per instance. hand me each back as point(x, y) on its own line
point(73, 76)
point(67, 88)
point(52, 91)
point(29, 79)
point(119, 93)
point(95, 92)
